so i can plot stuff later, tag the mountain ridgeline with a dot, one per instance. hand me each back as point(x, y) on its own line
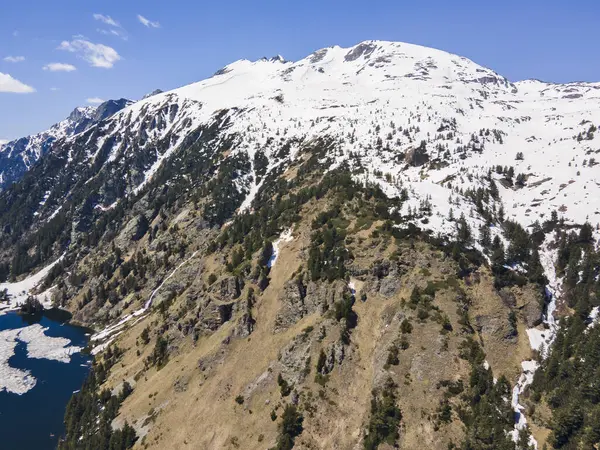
point(380, 246)
point(18, 156)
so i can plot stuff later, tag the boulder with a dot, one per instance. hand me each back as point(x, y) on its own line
point(245, 325)
point(214, 315)
point(487, 324)
point(380, 269)
point(508, 297)
point(134, 230)
point(181, 384)
point(533, 311)
point(417, 156)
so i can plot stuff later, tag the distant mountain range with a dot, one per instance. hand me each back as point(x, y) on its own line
point(18, 156)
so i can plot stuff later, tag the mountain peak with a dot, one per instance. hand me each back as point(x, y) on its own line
point(152, 94)
point(81, 112)
point(110, 107)
point(276, 58)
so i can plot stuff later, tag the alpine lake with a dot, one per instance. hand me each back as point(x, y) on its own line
point(42, 365)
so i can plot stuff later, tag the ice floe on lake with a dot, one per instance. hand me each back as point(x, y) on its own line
point(39, 346)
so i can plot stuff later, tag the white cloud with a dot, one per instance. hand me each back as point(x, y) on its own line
point(117, 29)
point(95, 100)
point(113, 32)
point(60, 67)
point(3, 141)
point(10, 84)
point(14, 59)
point(147, 23)
point(98, 55)
point(54, 89)
point(107, 20)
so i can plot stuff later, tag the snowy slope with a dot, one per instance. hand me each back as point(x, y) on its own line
point(20, 290)
point(380, 100)
point(29, 149)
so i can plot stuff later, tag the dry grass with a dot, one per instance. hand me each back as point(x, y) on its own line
point(192, 399)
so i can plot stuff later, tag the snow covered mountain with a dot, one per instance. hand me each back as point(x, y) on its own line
point(169, 179)
point(403, 116)
point(380, 102)
point(16, 157)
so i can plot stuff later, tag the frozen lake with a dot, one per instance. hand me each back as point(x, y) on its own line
point(41, 364)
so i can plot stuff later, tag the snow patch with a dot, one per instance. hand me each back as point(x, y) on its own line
point(18, 291)
point(529, 367)
point(352, 287)
point(593, 317)
point(539, 339)
point(286, 236)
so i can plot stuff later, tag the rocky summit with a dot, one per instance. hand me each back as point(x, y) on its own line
point(382, 246)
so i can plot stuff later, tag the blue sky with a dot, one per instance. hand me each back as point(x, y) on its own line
point(104, 50)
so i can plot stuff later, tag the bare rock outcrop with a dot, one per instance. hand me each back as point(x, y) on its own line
point(134, 230)
point(214, 314)
point(299, 301)
point(228, 288)
point(532, 307)
point(294, 359)
point(335, 353)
